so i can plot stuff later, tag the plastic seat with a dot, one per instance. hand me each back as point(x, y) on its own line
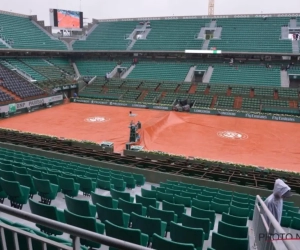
point(222, 201)
point(166, 216)
point(47, 211)
point(139, 178)
point(221, 242)
point(295, 224)
point(118, 194)
point(3, 195)
point(105, 185)
point(219, 208)
point(164, 197)
point(26, 180)
point(179, 209)
point(7, 175)
point(87, 223)
point(119, 184)
point(17, 194)
point(46, 190)
point(146, 202)
point(20, 170)
point(130, 182)
point(115, 216)
point(106, 201)
point(232, 231)
point(80, 207)
point(68, 186)
point(201, 204)
point(130, 207)
point(134, 236)
point(186, 201)
point(86, 185)
point(293, 214)
point(240, 212)
point(160, 243)
point(193, 222)
point(188, 235)
point(189, 194)
point(234, 220)
point(148, 226)
point(200, 213)
point(148, 193)
point(204, 198)
point(285, 221)
point(35, 173)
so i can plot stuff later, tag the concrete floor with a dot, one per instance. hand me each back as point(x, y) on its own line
point(59, 202)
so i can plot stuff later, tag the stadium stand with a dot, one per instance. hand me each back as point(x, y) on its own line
point(16, 86)
point(95, 67)
point(20, 32)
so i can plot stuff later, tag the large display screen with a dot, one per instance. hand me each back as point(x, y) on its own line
point(67, 19)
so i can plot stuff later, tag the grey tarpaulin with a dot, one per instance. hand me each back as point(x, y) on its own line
point(275, 201)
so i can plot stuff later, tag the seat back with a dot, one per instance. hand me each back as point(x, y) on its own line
point(140, 179)
point(191, 195)
point(126, 234)
point(87, 223)
point(106, 201)
point(186, 201)
point(204, 197)
point(219, 208)
point(118, 183)
point(240, 204)
point(7, 175)
point(193, 222)
point(200, 213)
point(129, 207)
point(146, 202)
point(240, 212)
point(20, 170)
point(222, 242)
point(42, 186)
point(147, 225)
point(11, 188)
point(232, 231)
point(148, 193)
point(79, 207)
point(177, 208)
point(51, 177)
point(25, 180)
point(43, 210)
point(160, 243)
point(185, 234)
point(201, 204)
point(119, 194)
point(35, 173)
point(164, 197)
point(234, 220)
point(85, 183)
point(66, 183)
point(115, 216)
point(166, 216)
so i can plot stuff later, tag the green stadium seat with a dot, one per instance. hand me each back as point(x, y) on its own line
point(51, 177)
point(189, 194)
point(130, 207)
point(17, 194)
point(26, 180)
point(87, 223)
point(295, 224)
point(234, 220)
point(119, 184)
point(47, 211)
point(164, 197)
point(106, 201)
point(186, 201)
point(68, 186)
point(80, 207)
point(219, 208)
point(293, 214)
point(221, 242)
point(118, 194)
point(160, 243)
point(222, 201)
point(115, 216)
point(102, 184)
point(146, 202)
point(232, 231)
point(139, 178)
point(187, 235)
point(20, 170)
point(46, 190)
point(148, 226)
point(3, 195)
point(240, 212)
point(130, 182)
point(86, 185)
point(131, 235)
point(193, 222)
point(7, 175)
point(166, 216)
point(200, 213)
point(35, 173)
point(201, 204)
point(179, 209)
point(204, 197)
point(286, 221)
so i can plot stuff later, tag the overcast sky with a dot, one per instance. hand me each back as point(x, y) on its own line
point(107, 9)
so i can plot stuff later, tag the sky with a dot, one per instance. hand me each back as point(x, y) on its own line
point(109, 9)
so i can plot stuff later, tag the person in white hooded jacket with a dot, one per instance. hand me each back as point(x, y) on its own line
point(275, 201)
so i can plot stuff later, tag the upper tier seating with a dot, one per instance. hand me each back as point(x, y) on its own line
point(17, 85)
point(248, 74)
point(63, 64)
point(252, 35)
point(175, 35)
point(22, 33)
point(151, 70)
point(107, 36)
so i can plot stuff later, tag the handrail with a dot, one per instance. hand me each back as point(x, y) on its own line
point(75, 231)
point(273, 226)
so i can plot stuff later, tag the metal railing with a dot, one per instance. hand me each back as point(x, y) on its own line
point(265, 226)
point(76, 232)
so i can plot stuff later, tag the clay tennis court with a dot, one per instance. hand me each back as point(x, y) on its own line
point(263, 143)
point(68, 21)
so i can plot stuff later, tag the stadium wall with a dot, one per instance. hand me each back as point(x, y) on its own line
point(151, 176)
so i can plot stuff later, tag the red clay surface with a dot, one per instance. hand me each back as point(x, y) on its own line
point(68, 21)
point(263, 143)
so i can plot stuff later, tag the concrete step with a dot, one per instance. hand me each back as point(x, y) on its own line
point(285, 80)
point(293, 23)
point(295, 46)
point(128, 71)
point(190, 75)
point(208, 74)
point(214, 101)
point(142, 96)
point(213, 24)
point(218, 33)
point(205, 44)
point(284, 33)
point(76, 70)
point(193, 88)
point(5, 43)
